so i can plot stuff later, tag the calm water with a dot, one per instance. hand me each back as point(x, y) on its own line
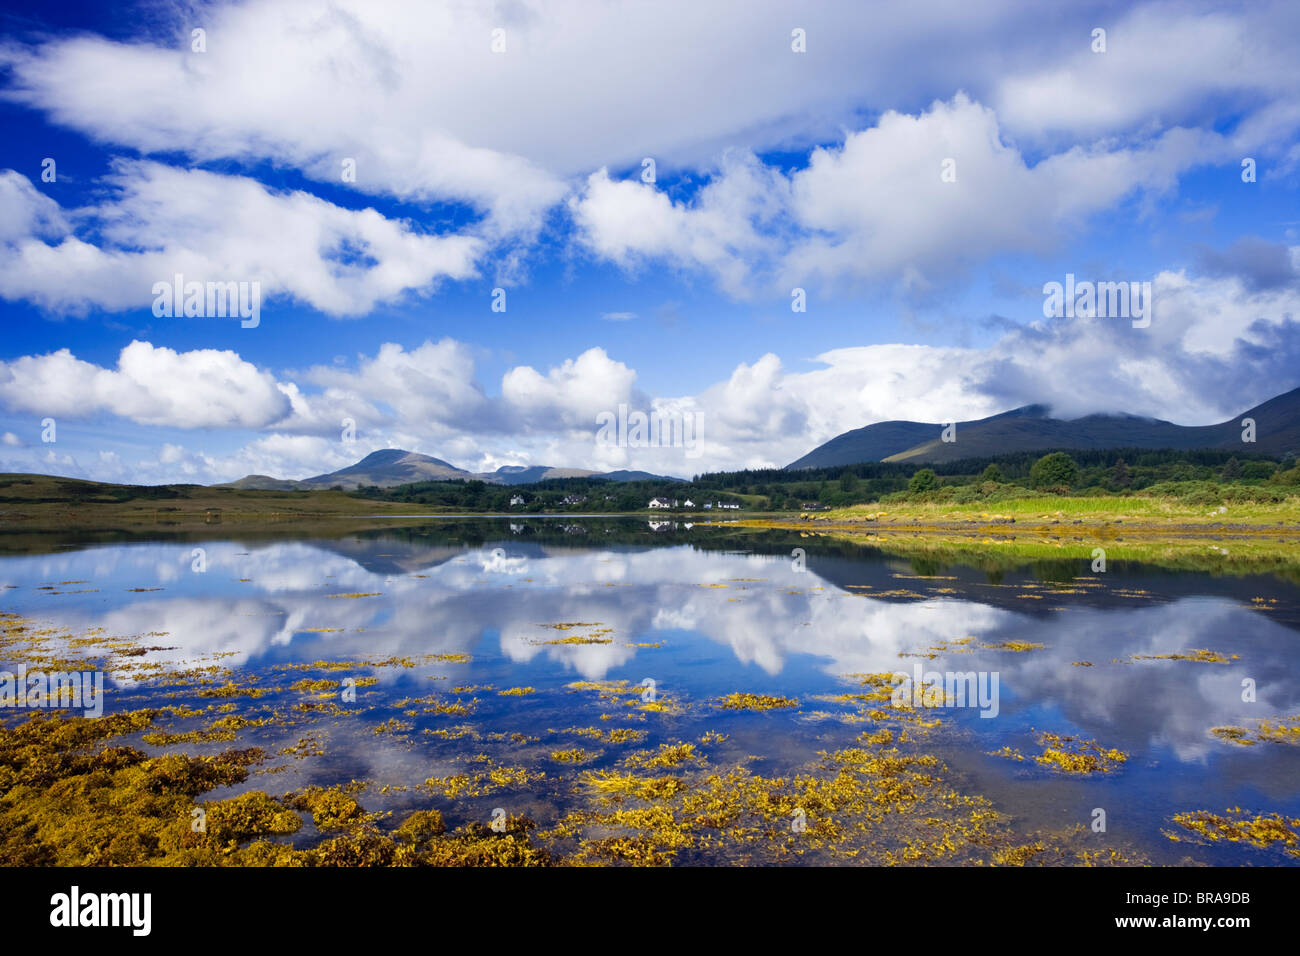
point(716, 612)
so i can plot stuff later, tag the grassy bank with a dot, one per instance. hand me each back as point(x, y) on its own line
point(1241, 539)
point(1162, 511)
point(41, 502)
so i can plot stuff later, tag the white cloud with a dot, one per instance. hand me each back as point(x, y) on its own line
point(1244, 59)
point(432, 383)
point(728, 230)
point(1216, 346)
point(209, 227)
point(286, 456)
point(25, 211)
point(878, 205)
point(416, 97)
point(570, 395)
point(204, 388)
point(414, 94)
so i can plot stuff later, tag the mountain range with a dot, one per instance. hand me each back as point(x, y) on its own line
point(1031, 428)
point(394, 466)
point(1027, 429)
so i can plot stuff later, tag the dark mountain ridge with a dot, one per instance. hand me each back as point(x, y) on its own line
point(1031, 428)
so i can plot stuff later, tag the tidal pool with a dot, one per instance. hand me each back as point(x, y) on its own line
point(611, 691)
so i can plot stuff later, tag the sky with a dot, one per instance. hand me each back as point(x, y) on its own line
point(472, 229)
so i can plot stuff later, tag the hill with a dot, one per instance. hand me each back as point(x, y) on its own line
point(1031, 428)
point(386, 468)
point(391, 467)
point(521, 475)
point(260, 483)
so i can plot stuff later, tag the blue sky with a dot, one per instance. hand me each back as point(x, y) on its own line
point(919, 170)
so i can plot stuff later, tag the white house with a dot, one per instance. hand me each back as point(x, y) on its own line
point(688, 503)
point(660, 503)
point(516, 500)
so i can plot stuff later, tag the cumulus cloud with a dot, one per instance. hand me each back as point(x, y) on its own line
point(429, 113)
point(433, 383)
point(1216, 345)
point(572, 393)
point(25, 211)
point(1244, 60)
point(208, 227)
point(915, 196)
point(204, 388)
point(728, 229)
point(1258, 263)
point(416, 95)
point(822, 169)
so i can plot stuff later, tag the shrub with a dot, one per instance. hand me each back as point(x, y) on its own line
point(1204, 496)
point(924, 480)
point(1056, 469)
point(1290, 476)
point(1011, 493)
point(1245, 494)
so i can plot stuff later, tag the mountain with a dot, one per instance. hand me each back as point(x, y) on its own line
point(521, 475)
point(386, 468)
point(260, 483)
point(1031, 428)
point(877, 442)
point(393, 466)
point(625, 475)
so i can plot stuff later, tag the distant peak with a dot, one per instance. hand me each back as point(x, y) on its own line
point(1027, 411)
point(384, 456)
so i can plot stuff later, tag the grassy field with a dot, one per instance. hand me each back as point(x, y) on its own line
point(1250, 554)
point(1165, 512)
point(1239, 539)
point(34, 506)
point(40, 502)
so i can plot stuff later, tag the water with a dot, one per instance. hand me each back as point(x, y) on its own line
point(702, 613)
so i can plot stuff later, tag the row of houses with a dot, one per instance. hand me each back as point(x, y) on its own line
point(517, 500)
point(657, 503)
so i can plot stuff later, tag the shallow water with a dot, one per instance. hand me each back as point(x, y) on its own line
point(702, 613)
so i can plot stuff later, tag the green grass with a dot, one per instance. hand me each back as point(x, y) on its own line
point(41, 502)
point(1164, 510)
